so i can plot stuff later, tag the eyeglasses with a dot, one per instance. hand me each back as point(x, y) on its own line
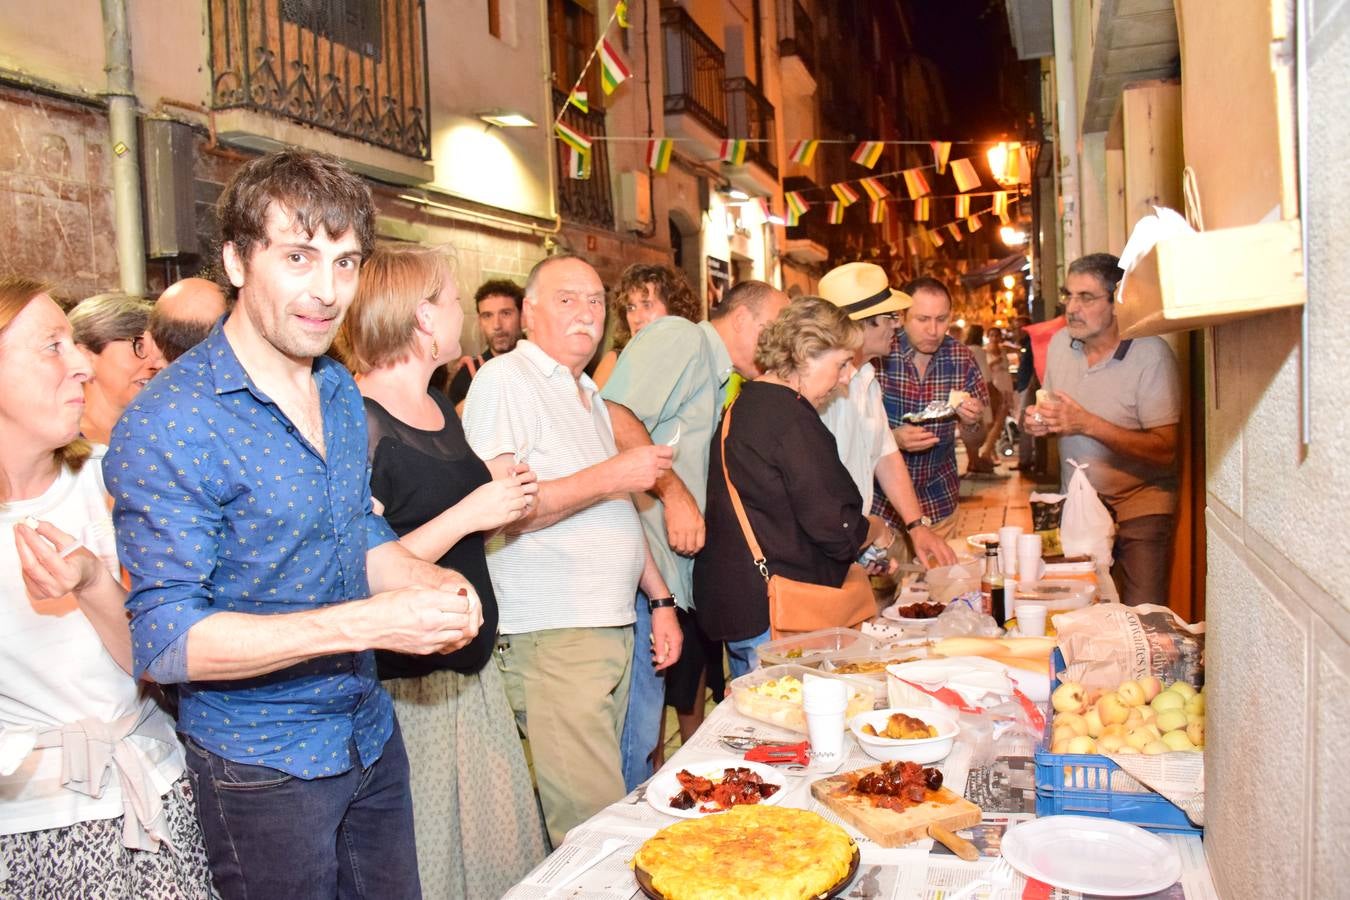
point(137, 346)
point(1083, 297)
point(889, 318)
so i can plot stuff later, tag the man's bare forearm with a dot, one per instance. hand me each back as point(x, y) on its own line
point(1155, 445)
point(893, 476)
point(629, 432)
point(228, 645)
point(561, 497)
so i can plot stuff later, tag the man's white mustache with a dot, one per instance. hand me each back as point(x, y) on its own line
point(588, 330)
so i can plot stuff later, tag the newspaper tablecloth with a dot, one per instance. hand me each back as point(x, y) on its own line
point(1004, 790)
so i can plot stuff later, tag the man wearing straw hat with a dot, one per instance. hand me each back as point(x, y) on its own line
point(856, 415)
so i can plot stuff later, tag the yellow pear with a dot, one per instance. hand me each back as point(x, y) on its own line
point(1147, 713)
point(1153, 729)
point(1184, 689)
point(1171, 720)
point(1069, 698)
point(1127, 750)
point(1062, 734)
point(1153, 748)
point(1136, 717)
point(1138, 738)
point(1110, 743)
point(1082, 744)
point(1059, 745)
point(1073, 721)
point(1115, 728)
point(1094, 722)
point(1196, 705)
point(1196, 732)
point(1177, 740)
point(1131, 693)
point(1168, 699)
point(1112, 709)
point(1152, 686)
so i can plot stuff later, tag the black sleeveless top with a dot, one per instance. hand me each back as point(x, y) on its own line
point(417, 475)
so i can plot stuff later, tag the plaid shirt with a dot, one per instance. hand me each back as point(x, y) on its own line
point(952, 368)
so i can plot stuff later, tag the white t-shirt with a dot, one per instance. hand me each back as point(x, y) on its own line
point(856, 417)
point(55, 670)
point(582, 571)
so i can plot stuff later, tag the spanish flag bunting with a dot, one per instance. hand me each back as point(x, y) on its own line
point(835, 210)
point(916, 184)
point(964, 173)
point(935, 239)
point(621, 13)
point(941, 151)
point(733, 152)
point(913, 242)
point(574, 139)
point(580, 99)
point(876, 212)
point(578, 164)
point(973, 223)
point(955, 231)
point(658, 154)
point(921, 209)
point(804, 151)
point(793, 217)
point(795, 204)
point(868, 153)
point(962, 207)
point(613, 70)
point(846, 194)
point(1001, 204)
point(874, 188)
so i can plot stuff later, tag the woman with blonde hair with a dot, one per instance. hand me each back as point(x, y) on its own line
point(93, 796)
point(114, 329)
point(477, 824)
point(802, 505)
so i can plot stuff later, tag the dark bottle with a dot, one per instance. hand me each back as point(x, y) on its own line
point(991, 585)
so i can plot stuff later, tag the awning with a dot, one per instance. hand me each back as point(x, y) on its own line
point(1013, 263)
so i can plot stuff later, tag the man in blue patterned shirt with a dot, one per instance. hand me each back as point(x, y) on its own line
point(926, 364)
point(243, 513)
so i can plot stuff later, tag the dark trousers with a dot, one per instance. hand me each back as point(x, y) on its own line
point(272, 835)
point(1142, 569)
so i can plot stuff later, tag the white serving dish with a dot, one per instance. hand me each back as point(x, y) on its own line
point(926, 750)
point(666, 784)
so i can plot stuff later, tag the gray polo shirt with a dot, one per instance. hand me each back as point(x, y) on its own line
point(1138, 388)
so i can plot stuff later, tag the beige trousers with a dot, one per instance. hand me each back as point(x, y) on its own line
point(568, 688)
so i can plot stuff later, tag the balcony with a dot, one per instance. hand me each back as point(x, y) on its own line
point(797, 48)
point(750, 116)
point(584, 201)
point(356, 69)
point(695, 74)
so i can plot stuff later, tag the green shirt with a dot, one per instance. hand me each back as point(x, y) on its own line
point(672, 374)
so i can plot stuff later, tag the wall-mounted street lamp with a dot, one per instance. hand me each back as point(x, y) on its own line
point(506, 118)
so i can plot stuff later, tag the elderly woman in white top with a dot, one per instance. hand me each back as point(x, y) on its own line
point(93, 801)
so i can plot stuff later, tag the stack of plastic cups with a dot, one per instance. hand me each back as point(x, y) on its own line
point(825, 700)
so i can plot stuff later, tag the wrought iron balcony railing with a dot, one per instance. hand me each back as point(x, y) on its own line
point(695, 70)
point(800, 40)
point(750, 116)
point(356, 68)
point(586, 201)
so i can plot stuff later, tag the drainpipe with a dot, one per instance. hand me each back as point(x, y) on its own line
point(1066, 82)
point(126, 174)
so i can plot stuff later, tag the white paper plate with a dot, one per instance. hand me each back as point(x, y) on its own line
point(1092, 856)
point(977, 541)
point(893, 613)
point(665, 785)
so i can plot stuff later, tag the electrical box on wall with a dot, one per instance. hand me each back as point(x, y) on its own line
point(635, 201)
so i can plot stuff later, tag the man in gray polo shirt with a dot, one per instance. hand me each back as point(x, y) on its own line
point(1115, 405)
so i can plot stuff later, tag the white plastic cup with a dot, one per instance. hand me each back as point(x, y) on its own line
point(1007, 548)
point(825, 700)
point(1031, 619)
point(1030, 566)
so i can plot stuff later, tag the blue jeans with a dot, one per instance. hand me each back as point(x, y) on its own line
point(270, 834)
point(646, 704)
point(741, 655)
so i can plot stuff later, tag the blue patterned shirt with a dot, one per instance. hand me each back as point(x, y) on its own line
point(933, 471)
point(221, 504)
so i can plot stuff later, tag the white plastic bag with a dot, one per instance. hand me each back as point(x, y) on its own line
point(1086, 526)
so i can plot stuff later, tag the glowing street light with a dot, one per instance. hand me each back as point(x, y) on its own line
point(1012, 237)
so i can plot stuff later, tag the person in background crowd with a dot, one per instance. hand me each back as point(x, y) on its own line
point(974, 434)
point(566, 574)
point(93, 797)
point(855, 414)
point(499, 306)
point(184, 314)
point(672, 379)
point(477, 822)
point(114, 329)
point(1115, 405)
point(802, 505)
point(1000, 393)
point(261, 578)
point(926, 364)
point(645, 294)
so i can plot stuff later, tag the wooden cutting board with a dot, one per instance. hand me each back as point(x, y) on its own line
point(886, 826)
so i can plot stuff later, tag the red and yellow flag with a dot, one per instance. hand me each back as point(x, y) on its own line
point(846, 194)
point(613, 70)
point(916, 183)
point(867, 153)
point(963, 170)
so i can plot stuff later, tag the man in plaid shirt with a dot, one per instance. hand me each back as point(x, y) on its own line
point(926, 364)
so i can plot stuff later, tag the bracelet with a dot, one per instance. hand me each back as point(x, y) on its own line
point(656, 603)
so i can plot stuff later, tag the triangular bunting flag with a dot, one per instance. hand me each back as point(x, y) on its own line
point(941, 150)
point(955, 231)
point(574, 139)
point(578, 164)
point(876, 212)
point(835, 211)
point(963, 170)
point(804, 151)
point(795, 204)
point(793, 217)
point(621, 13)
point(874, 188)
point(868, 153)
point(921, 209)
point(1000, 207)
point(658, 154)
point(973, 223)
point(581, 100)
point(846, 194)
point(613, 70)
point(733, 152)
point(962, 207)
point(763, 204)
point(935, 239)
point(916, 184)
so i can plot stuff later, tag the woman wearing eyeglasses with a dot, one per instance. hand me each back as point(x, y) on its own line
point(114, 330)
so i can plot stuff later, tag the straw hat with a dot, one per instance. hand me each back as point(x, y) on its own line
point(862, 290)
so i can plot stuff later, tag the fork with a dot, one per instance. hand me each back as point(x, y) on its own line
point(999, 875)
point(676, 439)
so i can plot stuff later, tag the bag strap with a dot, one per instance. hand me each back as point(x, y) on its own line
point(755, 551)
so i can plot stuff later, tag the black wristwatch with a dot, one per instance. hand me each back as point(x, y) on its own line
point(921, 520)
point(656, 603)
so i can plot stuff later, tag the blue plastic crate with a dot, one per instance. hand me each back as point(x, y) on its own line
point(1081, 784)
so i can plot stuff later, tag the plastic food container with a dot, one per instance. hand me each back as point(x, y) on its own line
point(873, 663)
point(924, 750)
point(774, 695)
point(812, 648)
point(1056, 595)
